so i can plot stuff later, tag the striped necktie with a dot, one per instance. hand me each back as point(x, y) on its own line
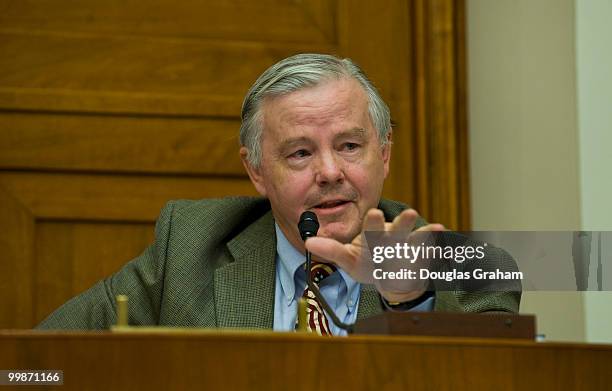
point(317, 321)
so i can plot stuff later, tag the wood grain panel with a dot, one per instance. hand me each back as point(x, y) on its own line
point(120, 144)
point(263, 20)
point(109, 197)
point(201, 359)
point(440, 122)
point(442, 133)
point(462, 171)
point(420, 119)
point(16, 266)
point(70, 72)
point(71, 257)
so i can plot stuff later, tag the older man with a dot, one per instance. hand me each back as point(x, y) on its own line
point(315, 136)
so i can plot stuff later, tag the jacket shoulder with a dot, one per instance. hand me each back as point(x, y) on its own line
point(217, 217)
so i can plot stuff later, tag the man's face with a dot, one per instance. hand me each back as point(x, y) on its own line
point(320, 152)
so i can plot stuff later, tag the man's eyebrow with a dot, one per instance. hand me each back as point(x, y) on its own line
point(294, 141)
point(361, 132)
point(291, 142)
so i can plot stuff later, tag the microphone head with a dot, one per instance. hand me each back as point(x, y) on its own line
point(308, 225)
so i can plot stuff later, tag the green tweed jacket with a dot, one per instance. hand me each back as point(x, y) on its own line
point(213, 265)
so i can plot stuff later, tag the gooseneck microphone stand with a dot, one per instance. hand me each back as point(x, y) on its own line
point(309, 226)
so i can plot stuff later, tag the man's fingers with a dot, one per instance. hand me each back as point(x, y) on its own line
point(405, 221)
point(374, 220)
point(431, 228)
point(330, 250)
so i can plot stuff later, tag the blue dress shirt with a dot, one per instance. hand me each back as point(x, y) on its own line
point(339, 289)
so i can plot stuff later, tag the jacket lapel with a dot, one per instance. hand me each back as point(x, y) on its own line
point(244, 288)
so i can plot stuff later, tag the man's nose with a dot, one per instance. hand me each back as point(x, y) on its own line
point(329, 170)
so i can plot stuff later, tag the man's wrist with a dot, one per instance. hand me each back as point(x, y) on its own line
point(407, 304)
point(402, 301)
point(400, 297)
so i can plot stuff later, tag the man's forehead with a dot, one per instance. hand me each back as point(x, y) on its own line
point(329, 96)
point(340, 106)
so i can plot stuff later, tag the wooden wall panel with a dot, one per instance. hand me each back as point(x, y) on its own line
point(17, 241)
point(264, 20)
point(110, 197)
point(440, 111)
point(103, 143)
point(110, 108)
point(75, 72)
point(71, 257)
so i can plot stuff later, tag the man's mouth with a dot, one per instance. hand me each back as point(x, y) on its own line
point(330, 204)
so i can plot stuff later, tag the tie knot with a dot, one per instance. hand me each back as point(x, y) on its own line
point(319, 271)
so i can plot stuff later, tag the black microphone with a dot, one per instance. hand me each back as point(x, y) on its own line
point(309, 226)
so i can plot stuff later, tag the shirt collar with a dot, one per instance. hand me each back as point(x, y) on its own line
point(291, 261)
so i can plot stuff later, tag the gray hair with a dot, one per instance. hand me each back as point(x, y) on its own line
point(299, 72)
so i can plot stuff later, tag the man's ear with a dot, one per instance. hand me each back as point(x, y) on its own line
point(254, 172)
point(386, 153)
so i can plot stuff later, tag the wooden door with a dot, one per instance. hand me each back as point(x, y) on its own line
point(110, 108)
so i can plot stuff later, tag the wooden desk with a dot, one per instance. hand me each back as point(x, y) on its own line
point(212, 360)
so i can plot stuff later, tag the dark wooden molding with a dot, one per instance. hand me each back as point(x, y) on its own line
point(440, 111)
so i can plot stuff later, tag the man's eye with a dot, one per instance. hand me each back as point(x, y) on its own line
point(350, 146)
point(302, 153)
